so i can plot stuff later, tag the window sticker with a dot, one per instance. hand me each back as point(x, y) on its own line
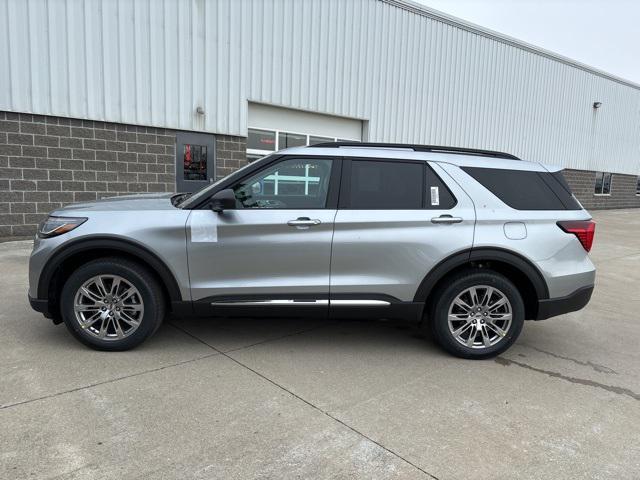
point(435, 196)
point(204, 228)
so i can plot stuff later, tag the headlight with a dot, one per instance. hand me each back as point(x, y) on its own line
point(54, 226)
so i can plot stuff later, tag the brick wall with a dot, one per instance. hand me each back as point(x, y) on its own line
point(231, 154)
point(46, 162)
point(623, 190)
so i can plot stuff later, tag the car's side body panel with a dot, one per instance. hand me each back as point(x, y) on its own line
point(255, 252)
point(150, 224)
point(533, 234)
point(388, 252)
point(358, 259)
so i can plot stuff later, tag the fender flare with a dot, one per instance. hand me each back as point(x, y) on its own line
point(129, 247)
point(463, 257)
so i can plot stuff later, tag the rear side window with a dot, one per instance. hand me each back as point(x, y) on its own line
point(438, 197)
point(383, 185)
point(524, 190)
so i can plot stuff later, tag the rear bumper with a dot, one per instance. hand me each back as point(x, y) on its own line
point(553, 307)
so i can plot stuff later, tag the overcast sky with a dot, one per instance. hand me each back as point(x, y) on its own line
point(600, 33)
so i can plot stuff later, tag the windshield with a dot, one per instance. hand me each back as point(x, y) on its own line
point(196, 197)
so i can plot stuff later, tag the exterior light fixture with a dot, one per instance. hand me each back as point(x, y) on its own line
point(597, 104)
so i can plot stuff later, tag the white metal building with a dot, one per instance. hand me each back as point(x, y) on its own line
point(377, 70)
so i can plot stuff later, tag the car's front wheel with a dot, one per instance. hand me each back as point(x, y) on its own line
point(477, 315)
point(112, 304)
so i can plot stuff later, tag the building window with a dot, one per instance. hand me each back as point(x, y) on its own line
point(264, 140)
point(261, 142)
point(287, 140)
point(603, 184)
point(195, 162)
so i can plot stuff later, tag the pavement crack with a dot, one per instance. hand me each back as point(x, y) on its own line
point(595, 366)
point(111, 380)
point(580, 381)
point(307, 402)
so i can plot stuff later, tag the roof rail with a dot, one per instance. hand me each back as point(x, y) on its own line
point(419, 148)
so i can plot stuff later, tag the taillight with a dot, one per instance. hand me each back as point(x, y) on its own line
point(583, 229)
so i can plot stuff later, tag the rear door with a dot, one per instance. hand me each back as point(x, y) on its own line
point(396, 220)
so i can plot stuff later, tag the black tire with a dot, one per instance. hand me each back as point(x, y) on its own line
point(444, 296)
point(136, 275)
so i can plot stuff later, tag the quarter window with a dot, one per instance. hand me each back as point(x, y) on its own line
point(602, 184)
point(292, 183)
point(383, 185)
point(526, 190)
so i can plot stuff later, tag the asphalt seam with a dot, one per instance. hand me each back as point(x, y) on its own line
point(307, 402)
point(84, 387)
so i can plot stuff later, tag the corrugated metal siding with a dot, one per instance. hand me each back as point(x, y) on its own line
point(414, 78)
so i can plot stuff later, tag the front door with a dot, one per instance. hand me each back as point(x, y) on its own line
point(274, 249)
point(195, 154)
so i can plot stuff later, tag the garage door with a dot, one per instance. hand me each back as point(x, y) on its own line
point(274, 128)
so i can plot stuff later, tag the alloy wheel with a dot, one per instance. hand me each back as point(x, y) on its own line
point(480, 317)
point(108, 307)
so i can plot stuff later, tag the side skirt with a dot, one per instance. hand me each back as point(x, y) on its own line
point(341, 307)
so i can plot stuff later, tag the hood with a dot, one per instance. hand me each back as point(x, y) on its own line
point(147, 201)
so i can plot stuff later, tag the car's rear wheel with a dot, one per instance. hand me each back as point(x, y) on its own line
point(112, 304)
point(477, 315)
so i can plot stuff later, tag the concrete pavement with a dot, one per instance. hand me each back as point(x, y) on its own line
point(298, 399)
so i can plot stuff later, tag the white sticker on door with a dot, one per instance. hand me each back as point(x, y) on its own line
point(435, 196)
point(204, 226)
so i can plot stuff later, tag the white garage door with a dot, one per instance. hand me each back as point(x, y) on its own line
point(274, 128)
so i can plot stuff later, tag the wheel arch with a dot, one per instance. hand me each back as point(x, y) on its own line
point(515, 267)
point(71, 255)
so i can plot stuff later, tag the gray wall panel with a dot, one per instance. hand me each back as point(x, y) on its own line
point(414, 75)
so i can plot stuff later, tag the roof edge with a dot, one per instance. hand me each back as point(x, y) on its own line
point(434, 14)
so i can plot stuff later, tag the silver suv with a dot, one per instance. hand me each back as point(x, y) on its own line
point(469, 243)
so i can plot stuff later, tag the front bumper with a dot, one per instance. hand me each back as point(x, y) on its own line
point(553, 307)
point(40, 306)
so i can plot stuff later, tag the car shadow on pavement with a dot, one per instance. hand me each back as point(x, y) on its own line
point(233, 334)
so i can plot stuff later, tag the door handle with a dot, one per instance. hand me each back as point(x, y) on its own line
point(446, 219)
point(303, 222)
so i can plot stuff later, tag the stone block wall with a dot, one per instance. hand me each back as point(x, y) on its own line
point(623, 190)
point(47, 162)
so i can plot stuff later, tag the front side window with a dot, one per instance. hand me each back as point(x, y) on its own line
point(602, 184)
point(292, 183)
point(384, 185)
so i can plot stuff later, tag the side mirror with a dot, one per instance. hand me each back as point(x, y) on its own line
point(223, 200)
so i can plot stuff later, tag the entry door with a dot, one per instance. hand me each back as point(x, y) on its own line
point(195, 159)
point(397, 219)
point(274, 249)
